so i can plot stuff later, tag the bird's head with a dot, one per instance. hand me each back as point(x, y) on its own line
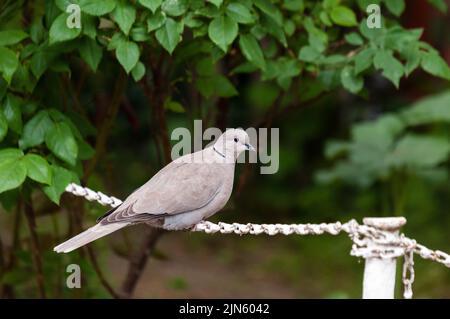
point(232, 143)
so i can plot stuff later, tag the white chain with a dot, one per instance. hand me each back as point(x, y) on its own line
point(91, 195)
point(361, 235)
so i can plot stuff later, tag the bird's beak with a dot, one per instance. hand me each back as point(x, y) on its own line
point(250, 147)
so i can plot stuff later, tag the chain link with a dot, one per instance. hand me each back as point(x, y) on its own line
point(392, 245)
point(408, 274)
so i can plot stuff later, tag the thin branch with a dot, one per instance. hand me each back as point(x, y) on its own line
point(74, 96)
point(131, 114)
point(221, 117)
point(107, 123)
point(35, 249)
point(99, 272)
point(154, 133)
point(76, 207)
point(156, 98)
point(2, 258)
point(138, 262)
point(7, 290)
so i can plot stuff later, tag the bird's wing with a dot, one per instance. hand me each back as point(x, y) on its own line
point(177, 188)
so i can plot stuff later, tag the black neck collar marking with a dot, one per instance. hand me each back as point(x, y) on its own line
point(214, 148)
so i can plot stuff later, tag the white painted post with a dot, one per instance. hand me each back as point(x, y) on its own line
point(379, 273)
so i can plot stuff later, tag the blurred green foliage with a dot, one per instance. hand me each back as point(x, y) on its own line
point(95, 105)
point(387, 149)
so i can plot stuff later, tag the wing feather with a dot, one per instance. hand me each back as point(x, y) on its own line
point(177, 188)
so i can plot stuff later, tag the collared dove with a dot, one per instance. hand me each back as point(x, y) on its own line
point(183, 193)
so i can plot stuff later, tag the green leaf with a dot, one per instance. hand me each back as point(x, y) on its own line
point(89, 25)
point(51, 12)
point(35, 130)
point(169, 35)
point(205, 67)
point(251, 50)
point(151, 4)
point(174, 106)
point(85, 150)
point(125, 15)
point(435, 65)
point(40, 61)
point(349, 172)
point(8, 63)
point(91, 53)
point(61, 177)
point(223, 86)
point(440, 5)
point(333, 59)
point(328, 4)
point(422, 151)
point(9, 200)
point(140, 34)
point(288, 69)
point(97, 8)
point(59, 31)
point(413, 56)
point(392, 68)
point(10, 154)
point(115, 40)
point(378, 135)
point(239, 13)
point(350, 80)
point(335, 148)
point(22, 79)
point(270, 26)
point(174, 8)
point(432, 109)
point(308, 54)
point(375, 35)
point(28, 50)
point(3, 87)
point(216, 85)
point(270, 9)
point(325, 18)
point(217, 3)
point(289, 27)
point(194, 22)
point(395, 6)
point(294, 5)
point(354, 39)
point(17, 276)
point(38, 168)
point(399, 39)
point(155, 21)
point(37, 30)
point(9, 37)
point(58, 116)
point(363, 60)
point(13, 113)
point(82, 123)
point(127, 53)
point(138, 71)
point(3, 126)
point(316, 37)
point(222, 31)
point(60, 140)
point(12, 174)
point(343, 16)
point(63, 4)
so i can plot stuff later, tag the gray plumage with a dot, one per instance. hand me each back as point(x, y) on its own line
point(183, 193)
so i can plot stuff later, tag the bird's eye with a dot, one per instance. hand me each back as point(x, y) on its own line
point(236, 140)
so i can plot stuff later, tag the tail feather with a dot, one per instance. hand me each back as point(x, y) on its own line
point(88, 236)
